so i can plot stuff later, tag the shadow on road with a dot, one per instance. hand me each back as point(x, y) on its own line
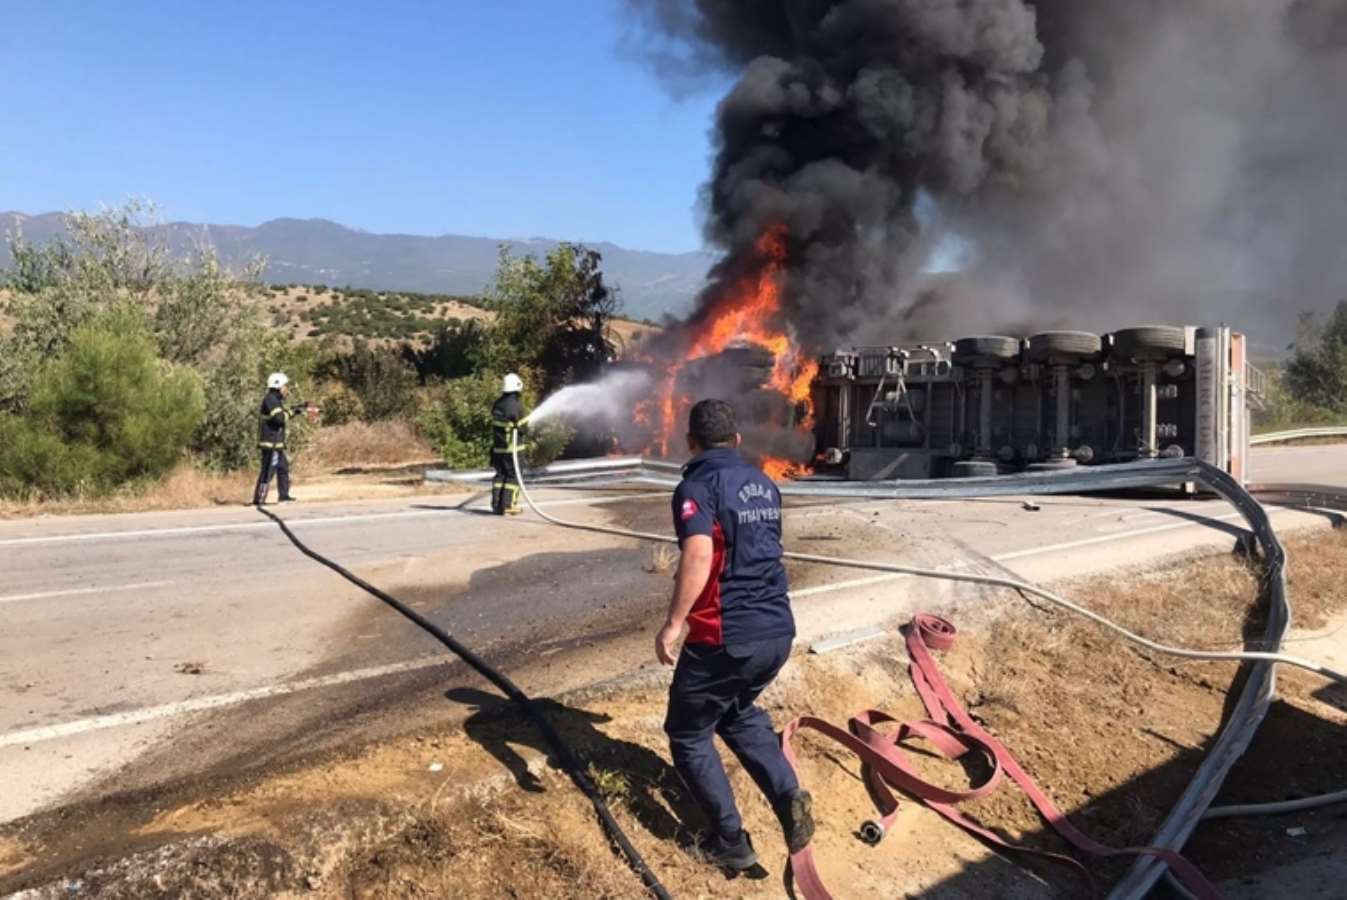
point(626, 773)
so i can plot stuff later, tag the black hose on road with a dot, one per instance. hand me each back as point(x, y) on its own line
point(563, 753)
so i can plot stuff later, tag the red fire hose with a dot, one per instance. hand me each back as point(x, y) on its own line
point(953, 733)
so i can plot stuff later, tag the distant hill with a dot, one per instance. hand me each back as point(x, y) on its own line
point(316, 251)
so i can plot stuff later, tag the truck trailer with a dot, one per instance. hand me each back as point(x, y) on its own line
point(992, 404)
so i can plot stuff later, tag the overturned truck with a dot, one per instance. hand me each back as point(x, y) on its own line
point(992, 404)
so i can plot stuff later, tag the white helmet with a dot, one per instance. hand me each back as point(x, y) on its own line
point(513, 384)
point(277, 380)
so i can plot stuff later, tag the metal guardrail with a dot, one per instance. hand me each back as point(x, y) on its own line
point(1298, 434)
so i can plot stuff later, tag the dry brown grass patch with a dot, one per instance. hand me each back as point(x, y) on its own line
point(366, 444)
point(186, 487)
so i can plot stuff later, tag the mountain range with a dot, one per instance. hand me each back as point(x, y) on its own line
point(318, 251)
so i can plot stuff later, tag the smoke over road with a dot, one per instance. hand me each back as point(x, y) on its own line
point(1100, 163)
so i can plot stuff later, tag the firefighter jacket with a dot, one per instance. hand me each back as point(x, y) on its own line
point(271, 434)
point(505, 416)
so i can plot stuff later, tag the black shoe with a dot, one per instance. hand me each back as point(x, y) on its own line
point(289, 500)
point(796, 813)
point(731, 855)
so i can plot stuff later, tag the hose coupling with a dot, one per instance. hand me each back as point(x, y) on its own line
point(872, 832)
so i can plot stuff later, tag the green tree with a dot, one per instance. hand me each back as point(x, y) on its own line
point(552, 316)
point(197, 313)
point(107, 411)
point(1317, 371)
point(456, 349)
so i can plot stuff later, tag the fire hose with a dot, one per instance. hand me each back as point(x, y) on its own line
point(1252, 703)
point(954, 734)
point(569, 762)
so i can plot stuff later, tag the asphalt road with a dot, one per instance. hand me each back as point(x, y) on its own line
point(150, 646)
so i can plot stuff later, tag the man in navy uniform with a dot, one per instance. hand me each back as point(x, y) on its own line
point(731, 594)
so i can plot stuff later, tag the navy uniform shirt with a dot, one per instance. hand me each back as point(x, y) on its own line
point(732, 502)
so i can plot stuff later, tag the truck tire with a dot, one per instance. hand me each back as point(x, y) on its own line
point(1074, 344)
point(986, 348)
point(1052, 465)
point(1151, 340)
point(973, 468)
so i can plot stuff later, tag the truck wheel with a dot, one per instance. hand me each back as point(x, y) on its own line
point(1075, 344)
point(1051, 465)
point(1150, 340)
point(986, 348)
point(973, 468)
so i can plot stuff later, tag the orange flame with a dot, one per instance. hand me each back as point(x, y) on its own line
point(747, 312)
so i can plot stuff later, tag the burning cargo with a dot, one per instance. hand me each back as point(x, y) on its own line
point(992, 404)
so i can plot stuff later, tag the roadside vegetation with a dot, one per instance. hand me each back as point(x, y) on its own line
point(124, 359)
point(1310, 387)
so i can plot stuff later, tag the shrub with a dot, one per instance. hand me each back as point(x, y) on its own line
point(458, 424)
point(1317, 373)
point(378, 376)
point(340, 405)
point(1284, 411)
point(106, 411)
point(235, 385)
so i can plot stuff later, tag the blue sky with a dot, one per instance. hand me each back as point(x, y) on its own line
point(513, 118)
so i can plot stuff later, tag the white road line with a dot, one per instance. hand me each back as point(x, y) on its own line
point(293, 523)
point(843, 585)
point(74, 592)
point(29, 736)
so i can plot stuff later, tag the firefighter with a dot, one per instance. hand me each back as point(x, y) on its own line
point(506, 422)
point(730, 592)
point(271, 440)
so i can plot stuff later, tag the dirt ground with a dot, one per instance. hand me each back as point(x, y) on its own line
point(477, 810)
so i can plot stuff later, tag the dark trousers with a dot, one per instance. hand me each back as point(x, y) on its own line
point(272, 461)
point(505, 484)
point(712, 693)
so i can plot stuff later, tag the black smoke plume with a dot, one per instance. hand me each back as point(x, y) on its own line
point(1099, 163)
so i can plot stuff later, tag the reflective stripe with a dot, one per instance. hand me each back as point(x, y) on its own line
point(270, 445)
point(497, 423)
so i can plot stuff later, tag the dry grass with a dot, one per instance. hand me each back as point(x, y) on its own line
point(660, 559)
point(186, 487)
point(1046, 674)
point(1202, 602)
point(349, 446)
point(364, 444)
point(508, 848)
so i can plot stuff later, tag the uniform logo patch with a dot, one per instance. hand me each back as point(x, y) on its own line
point(690, 509)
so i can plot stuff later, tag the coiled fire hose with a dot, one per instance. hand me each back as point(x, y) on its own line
point(1183, 871)
point(953, 733)
point(578, 775)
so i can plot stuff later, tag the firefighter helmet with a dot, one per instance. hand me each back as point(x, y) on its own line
point(277, 380)
point(513, 384)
